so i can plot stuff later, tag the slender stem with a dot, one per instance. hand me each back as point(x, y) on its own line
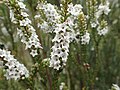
point(49, 79)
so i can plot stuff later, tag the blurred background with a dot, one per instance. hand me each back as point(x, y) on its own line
point(75, 74)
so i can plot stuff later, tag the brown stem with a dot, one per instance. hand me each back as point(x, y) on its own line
point(49, 79)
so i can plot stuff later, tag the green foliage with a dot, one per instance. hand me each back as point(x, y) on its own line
point(87, 68)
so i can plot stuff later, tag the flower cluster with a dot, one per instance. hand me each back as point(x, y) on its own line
point(85, 35)
point(13, 69)
point(103, 8)
point(85, 38)
point(62, 86)
point(78, 15)
point(65, 30)
point(26, 31)
point(92, 7)
point(96, 15)
point(74, 10)
point(72, 26)
point(102, 31)
point(50, 12)
point(51, 17)
point(60, 48)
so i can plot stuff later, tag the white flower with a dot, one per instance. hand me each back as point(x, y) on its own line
point(103, 31)
point(28, 44)
point(11, 64)
point(37, 16)
point(103, 9)
point(25, 22)
point(13, 19)
point(62, 85)
point(74, 10)
point(31, 28)
point(34, 53)
point(45, 27)
point(21, 5)
point(27, 34)
point(34, 41)
point(57, 65)
point(20, 33)
point(115, 86)
point(85, 38)
point(24, 14)
point(14, 70)
point(46, 60)
point(94, 24)
point(50, 12)
point(60, 48)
